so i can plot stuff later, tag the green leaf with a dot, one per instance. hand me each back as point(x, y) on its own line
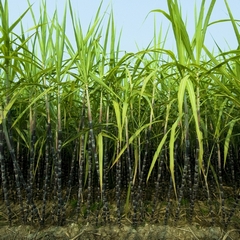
point(171, 153)
point(227, 140)
point(156, 154)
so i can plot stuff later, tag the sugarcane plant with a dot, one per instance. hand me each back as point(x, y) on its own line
point(117, 136)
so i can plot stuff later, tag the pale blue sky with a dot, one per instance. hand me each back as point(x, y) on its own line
point(130, 16)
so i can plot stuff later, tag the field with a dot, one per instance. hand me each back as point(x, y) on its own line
point(90, 136)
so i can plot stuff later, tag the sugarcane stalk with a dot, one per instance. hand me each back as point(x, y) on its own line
point(3, 174)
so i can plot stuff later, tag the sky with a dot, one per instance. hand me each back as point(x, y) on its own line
point(134, 19)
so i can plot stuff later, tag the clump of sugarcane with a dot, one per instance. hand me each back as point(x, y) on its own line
point(17, 171)
point(6, 120)
point(19, 179)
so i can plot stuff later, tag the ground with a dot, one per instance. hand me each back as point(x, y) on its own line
point(203, 226)
point(73, 231)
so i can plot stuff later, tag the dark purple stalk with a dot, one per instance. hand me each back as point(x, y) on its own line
point(118, 190)
point(89, 176)
point(46, 173)
point(105, 187)
point(81, 161)
point(60, 217)
point(139, 200)
point(4, 177)
point(221, 194)
point(157, 183)
point(31, 169)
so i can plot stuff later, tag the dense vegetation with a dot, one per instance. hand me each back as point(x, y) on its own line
point(136, 135)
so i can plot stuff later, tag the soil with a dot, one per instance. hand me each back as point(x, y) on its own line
point(74, 231)
point(202, 226)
